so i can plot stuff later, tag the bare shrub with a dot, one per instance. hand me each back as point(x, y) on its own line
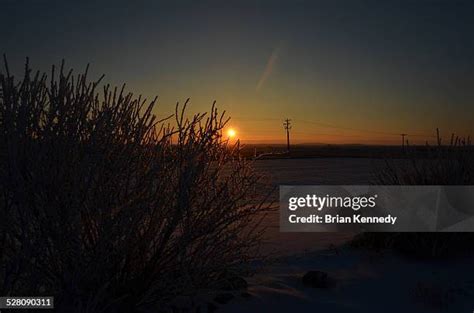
point(451, 164)
point(105, 206)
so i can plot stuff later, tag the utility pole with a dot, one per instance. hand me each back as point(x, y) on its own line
point(287, 126)
point(403, 140)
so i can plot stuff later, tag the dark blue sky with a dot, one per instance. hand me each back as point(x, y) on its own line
point(369, 68)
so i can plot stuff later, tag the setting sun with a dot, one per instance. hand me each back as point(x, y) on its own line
point(231, 133)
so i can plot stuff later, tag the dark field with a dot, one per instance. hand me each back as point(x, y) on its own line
point(265, 151)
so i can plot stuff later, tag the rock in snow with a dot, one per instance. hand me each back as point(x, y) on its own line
point(316, 279)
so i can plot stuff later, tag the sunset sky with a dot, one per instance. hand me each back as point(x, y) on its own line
point(343, 71)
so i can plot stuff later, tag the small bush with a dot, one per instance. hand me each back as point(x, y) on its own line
point(105, 206)
point(451, 164)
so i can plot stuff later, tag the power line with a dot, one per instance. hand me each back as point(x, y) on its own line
point(287, 126)
point(345, 127)
point(328, 134)
point(328, 125)
point(403, 140)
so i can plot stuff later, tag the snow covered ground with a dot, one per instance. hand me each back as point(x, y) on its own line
point(320, 171)
point(311, 171)
point(364, 281)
